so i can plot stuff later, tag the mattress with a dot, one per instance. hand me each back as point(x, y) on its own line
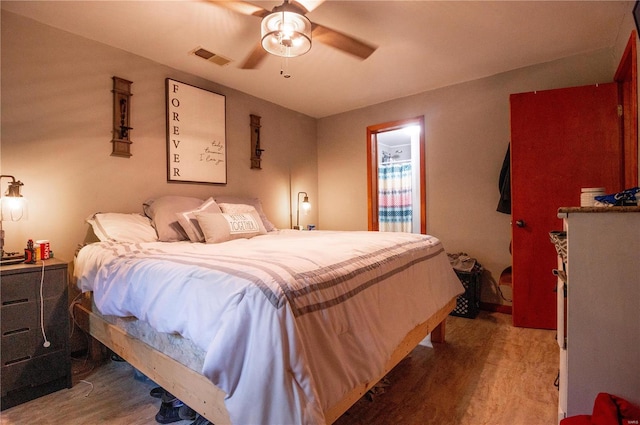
point(289, 321)
point(176, 346)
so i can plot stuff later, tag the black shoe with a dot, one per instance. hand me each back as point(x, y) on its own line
point(186, 413)
point(169, 409)
point(168, 414)
point(116, 358)
point(156, 392)
point(200, 420)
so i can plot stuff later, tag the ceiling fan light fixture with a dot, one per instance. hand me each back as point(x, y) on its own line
point(286, 32)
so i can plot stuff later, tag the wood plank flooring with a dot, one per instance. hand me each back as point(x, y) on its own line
point(488, 372)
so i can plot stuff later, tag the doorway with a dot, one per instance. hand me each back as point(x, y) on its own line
point(396, 176)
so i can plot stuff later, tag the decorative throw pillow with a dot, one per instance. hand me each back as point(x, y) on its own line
point(224, 227)
point(122, 227)
point(162, 211)
point(189, 222)
point(255, 202)
point(237, 209)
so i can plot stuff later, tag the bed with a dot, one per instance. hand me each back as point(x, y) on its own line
point(280, 327)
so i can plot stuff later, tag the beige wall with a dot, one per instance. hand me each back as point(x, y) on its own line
point(56, 133)
point(467, 133)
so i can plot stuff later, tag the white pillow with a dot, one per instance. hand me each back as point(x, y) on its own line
point(255, 202)
point(121, 227)
point(221, 227)
point(189, 222)
point(241, 209)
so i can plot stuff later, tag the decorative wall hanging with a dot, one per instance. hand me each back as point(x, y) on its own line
point(121, 117)
point(256, 151)
point(196, 135)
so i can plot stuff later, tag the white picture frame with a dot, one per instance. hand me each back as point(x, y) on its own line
point(196, 134)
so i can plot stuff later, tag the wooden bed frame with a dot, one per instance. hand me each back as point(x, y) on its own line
point(198, 392)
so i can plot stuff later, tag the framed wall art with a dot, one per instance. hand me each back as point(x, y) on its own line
point(196, 135)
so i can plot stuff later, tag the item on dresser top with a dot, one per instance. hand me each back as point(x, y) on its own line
point(11, 258)
point(625, 198)
point(588, 195)
point(30, 255)
point(45, 249)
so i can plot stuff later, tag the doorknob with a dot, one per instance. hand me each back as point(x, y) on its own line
point(521, 223)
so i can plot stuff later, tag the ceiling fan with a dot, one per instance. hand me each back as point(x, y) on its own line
point(297, 9)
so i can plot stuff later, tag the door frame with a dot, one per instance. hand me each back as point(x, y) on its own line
point(372, 169)
point(627, 78)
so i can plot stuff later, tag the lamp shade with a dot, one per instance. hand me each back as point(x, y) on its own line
point(286, 32)
point(13, 207)
point(306, 205)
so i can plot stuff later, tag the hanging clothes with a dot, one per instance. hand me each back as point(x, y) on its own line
point(395, 206)
point(504, 184)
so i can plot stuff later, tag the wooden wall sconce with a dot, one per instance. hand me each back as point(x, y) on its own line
point(256, 150)
point(121, 117)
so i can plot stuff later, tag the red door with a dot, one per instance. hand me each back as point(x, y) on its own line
point(561, 141)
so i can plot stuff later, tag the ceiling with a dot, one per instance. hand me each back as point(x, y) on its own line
point(422, 45)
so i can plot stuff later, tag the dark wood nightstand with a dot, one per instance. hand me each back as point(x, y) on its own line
point(31, 367)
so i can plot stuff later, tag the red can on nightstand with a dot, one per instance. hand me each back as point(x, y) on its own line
point(45, 249)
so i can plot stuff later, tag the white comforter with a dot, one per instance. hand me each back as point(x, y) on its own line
point(290, 321)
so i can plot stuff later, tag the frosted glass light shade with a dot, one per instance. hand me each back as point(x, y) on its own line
point(286, 33)
point(306, 205)
point(13, 208)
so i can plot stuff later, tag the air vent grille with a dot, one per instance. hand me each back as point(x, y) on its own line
point(210, 56)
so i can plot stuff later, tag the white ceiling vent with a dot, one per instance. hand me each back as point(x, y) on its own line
point(210, 56)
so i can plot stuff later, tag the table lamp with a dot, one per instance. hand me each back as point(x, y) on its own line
point(306, 206)
point(13, 208)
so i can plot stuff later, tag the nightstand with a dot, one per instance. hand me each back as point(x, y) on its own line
point(31, 367)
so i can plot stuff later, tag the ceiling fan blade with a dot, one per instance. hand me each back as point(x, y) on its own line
point(308, 5)
point(255, 57)
point(342, 41)
point(242, 7)
point(319, 33)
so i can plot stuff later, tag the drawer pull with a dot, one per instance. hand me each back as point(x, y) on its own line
point(20, 301)
point(15, 331)
point(21, 359)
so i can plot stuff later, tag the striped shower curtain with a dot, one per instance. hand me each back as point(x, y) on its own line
point(395, 211)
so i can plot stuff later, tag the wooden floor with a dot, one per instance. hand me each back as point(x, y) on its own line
point(488, 372)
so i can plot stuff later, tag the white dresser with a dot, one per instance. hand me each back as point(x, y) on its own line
point(602, 316)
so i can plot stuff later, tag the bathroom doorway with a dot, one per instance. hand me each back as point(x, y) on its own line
point(396, 176)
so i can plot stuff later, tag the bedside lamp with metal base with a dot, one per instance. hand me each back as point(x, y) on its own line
point(13, 207)
point(306, 206)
